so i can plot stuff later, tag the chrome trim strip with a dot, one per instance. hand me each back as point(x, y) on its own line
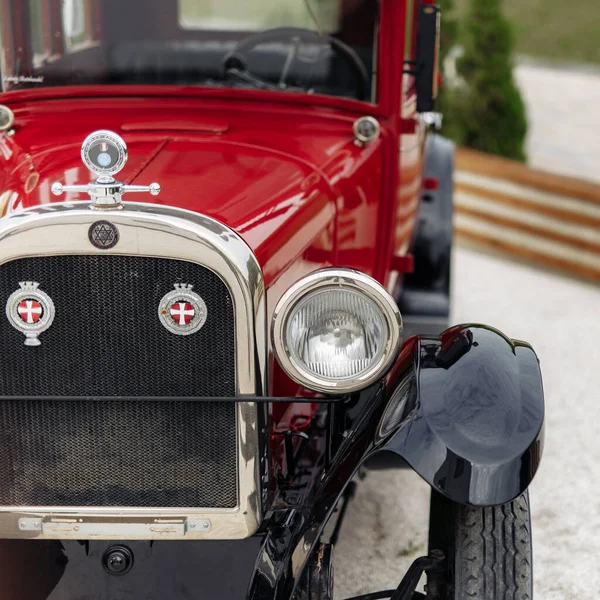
point(161, 232)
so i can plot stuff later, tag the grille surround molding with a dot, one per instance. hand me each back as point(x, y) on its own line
point(160, 232)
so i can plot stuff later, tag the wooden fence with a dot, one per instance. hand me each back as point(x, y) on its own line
point(531, 215)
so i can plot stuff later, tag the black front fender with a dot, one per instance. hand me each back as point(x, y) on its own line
point(469, 418)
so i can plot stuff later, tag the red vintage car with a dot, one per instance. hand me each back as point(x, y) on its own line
point(192, 375)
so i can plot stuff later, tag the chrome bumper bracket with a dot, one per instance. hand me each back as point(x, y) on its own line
point(99, 528)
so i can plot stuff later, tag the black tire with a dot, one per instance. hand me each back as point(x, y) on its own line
point(488, 550)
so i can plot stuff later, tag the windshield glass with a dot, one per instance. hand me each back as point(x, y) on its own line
point(316, 46)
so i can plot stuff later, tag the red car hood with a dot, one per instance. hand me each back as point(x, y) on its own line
point(277, 202)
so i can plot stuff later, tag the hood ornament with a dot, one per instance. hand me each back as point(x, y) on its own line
point(30, 311)
point(105, 153)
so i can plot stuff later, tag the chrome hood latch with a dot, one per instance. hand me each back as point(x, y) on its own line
point(105, 153)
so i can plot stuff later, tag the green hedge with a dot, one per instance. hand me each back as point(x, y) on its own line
point(485, 110)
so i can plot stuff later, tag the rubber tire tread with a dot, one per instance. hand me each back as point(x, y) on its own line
point(493, 555)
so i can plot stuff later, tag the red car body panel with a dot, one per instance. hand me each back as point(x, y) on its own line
point(259, 173)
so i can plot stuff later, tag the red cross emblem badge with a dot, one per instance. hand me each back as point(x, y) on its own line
point(182, 311)
point(30, 311)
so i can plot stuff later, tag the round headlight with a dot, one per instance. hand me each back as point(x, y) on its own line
point(336, 331)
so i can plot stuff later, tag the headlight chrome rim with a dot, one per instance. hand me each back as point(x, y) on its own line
point(336, 278)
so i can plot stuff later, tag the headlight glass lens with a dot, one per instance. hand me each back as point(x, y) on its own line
point(336, 333)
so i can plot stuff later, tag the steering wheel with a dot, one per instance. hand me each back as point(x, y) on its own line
point(235, 63)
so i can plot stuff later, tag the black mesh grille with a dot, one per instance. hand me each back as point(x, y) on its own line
point(107, 340)
point(117, 453)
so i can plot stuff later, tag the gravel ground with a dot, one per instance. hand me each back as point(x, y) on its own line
point(386, 527)
point(563, 114)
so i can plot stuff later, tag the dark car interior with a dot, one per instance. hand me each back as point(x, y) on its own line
point(143, 42)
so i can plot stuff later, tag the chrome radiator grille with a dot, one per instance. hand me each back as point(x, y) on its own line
point(107, 340)
point(117, 453)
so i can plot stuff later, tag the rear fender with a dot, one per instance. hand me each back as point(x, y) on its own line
point(468, 415)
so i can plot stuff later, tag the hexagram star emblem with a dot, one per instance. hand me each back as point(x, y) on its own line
point(103, 234)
